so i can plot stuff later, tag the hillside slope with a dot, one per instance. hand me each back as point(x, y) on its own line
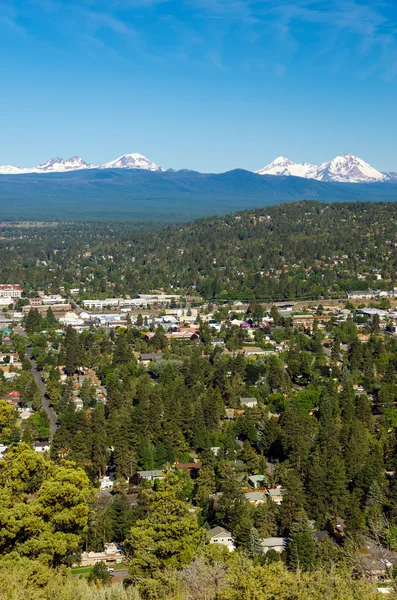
point(180, 195)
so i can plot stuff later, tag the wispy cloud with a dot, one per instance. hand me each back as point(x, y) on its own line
point(9, 18)
point(348, 32)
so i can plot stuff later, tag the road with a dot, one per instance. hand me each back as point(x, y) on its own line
point(39, 380)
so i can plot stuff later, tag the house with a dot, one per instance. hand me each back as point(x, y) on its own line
point(248, 402)
point(151, 475)
point(256, 481)
point(35, 301)
point(275, 543)
point(255, 497)
point(9, 359)
point(217, 342)
point(276, 495)
point(3, 450)
point(79, 404)
point(106, 483)
point(41, 447)
point(146, 359)
point(111, 555)
point(219, 535)
point(13, 398)
point(251, 351)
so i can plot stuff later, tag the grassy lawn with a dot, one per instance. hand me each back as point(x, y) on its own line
point(81, 570)
point(85, 571)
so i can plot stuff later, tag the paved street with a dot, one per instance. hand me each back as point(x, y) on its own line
point(39, 380)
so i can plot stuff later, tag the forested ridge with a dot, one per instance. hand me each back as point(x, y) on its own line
point(298, 250)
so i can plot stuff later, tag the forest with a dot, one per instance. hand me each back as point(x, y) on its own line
point(298, 250)
point(325, 422)
point(311, 419)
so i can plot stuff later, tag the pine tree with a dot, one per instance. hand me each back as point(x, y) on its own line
point(301, 547)
point(33, 321)
point(199, 432)
point(254, 547)
point(167, 538)
point(72, 350)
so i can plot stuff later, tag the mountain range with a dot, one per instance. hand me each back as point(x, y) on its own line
point(342, 169)
point(144, 195)
point(59, 165)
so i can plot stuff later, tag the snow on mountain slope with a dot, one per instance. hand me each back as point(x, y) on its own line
point(10, 170)
point(59, 165)
point(284, 166)
point(132, 161)
point(347, 168)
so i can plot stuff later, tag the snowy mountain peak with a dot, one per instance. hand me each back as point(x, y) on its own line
point(347, 168)
point(284, 166)
point(132, 161)
point(59, 165)
point(281, 160)
point(10, 170)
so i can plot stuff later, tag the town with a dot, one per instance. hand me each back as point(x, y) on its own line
point(88, 381)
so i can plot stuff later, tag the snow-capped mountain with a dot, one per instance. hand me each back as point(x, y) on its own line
point(132, 161)
point(347, 168)
point(10, 170)
point(283, 166)
point(59, 165)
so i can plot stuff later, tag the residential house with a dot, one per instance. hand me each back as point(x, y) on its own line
point(276, 495)
point(111, 555)
point(248, 402)
point(41, 447)
point(146, 359)
point(275, 543)
point(106, 483)
point(78, 402)
point(255, 497)
point(13, 398)
point(256, 481)
point(151, 475)
point(219, 535)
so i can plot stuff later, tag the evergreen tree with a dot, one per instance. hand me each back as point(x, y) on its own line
point(254, 547)
point(301, 547)
point(199, 432)
point(167, 539)
point(72, 350)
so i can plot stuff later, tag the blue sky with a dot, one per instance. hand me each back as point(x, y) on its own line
point(205, 84)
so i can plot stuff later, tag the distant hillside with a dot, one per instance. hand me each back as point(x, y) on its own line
point(180, 195)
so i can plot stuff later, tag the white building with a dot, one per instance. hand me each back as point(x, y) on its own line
point(111, 555)
point(53, 299)
point(71, 318)
point(219, 535)
point(106, 483)
point(10, 291)
point(248, 402)
point(276, 543)
point(6, 300)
